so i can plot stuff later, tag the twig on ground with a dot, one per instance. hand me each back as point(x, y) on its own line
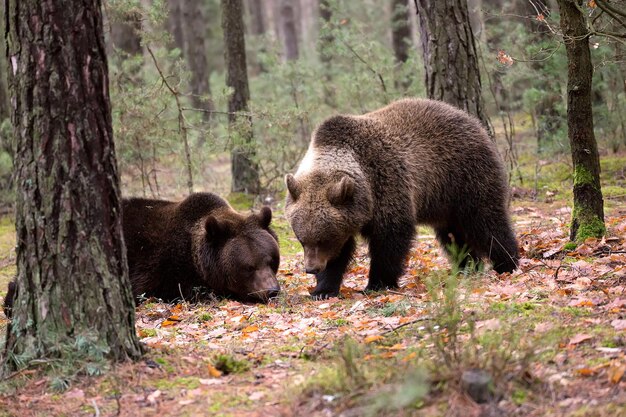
point(408, 323)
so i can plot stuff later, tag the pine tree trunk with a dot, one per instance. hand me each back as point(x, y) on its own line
point(588, 211)
point(325, 46)
point(400, 36)
point(73, 294)
point(5, 112)
point(175, 24)
point(194, 33)
point(257, 29)
point(289, 29)
point(245, 172)
point(450, 57)
point(125, 31)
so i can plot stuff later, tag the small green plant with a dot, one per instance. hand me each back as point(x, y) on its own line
point(228, 364)
point(204, 317)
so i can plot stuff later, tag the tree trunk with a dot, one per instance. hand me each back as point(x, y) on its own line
point(257, 29)
point(588, 211)
point(400, 36)
point(73, 296)
point(289, 29)
point(125, 30)
point(5, 111)
point(175, 24)
point(325, 50)
point(195, 54)
point(450, 57)
point(245, 172)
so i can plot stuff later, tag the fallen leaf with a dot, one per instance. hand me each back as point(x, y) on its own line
point(75, 394)
point(373, 338)
point(616, 372)
point(211, 381)
point(619, 324)
point(152, 397)
point(257, 395)
point(579, 338)
point(250, 329)
point(213, 371)
point(585, 371)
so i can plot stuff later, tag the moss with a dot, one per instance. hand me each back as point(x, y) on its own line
point(181, 382)
point(591, 227)
point(582, 176)
point(230, 365)
point(570, 246)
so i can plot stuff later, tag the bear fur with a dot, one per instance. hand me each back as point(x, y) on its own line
point(412, 162)
point(174, 247)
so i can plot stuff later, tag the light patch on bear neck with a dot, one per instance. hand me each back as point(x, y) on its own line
point(329, 159)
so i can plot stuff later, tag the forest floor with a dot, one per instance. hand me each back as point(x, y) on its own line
point(551, 336)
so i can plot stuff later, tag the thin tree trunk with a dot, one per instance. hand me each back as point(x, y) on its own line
point(73, 294)
point(245, 172)
point(289, 29)
point(125, 32)
point(325, 45)
point(450, 56)
point(5, 111)
point(257, 28)
point(400, 36)
point(588, 211)
point(175, 24)
point(194, 33)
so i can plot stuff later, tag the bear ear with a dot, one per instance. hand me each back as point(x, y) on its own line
point(265, 217)
point(292, 186)
point(341, 192)
point(216, 229)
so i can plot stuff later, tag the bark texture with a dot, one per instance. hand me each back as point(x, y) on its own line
point(325, 45)
point(400, 36)
point(73, 294)
point(175, 24)
point(289, 29)
point(588, 211)
point(194, 33)
point(257, 28)
point(450, 56)
point(245, 172)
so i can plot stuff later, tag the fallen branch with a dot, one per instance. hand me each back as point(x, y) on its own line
point(408, 323)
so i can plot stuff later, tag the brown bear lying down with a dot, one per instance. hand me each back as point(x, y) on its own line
point(382, 173)
point(175, 247)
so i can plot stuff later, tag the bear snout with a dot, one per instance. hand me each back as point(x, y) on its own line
point(315, 260)
point(265, 285)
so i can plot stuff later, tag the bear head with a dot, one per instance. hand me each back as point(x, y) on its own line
point(325, 209)
point(238, 255)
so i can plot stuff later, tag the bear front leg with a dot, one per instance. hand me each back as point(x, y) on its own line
point(388, 253)
point(329, 280)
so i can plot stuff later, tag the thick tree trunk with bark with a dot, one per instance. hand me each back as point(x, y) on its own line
point(73, 293)
point(289, 29)
point(400, 36)
point(194, 33)
point(245, 172)
point(588, 211)
point(450, 56)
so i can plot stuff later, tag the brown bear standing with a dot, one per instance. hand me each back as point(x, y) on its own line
point(174, 247)
point(380, 174)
